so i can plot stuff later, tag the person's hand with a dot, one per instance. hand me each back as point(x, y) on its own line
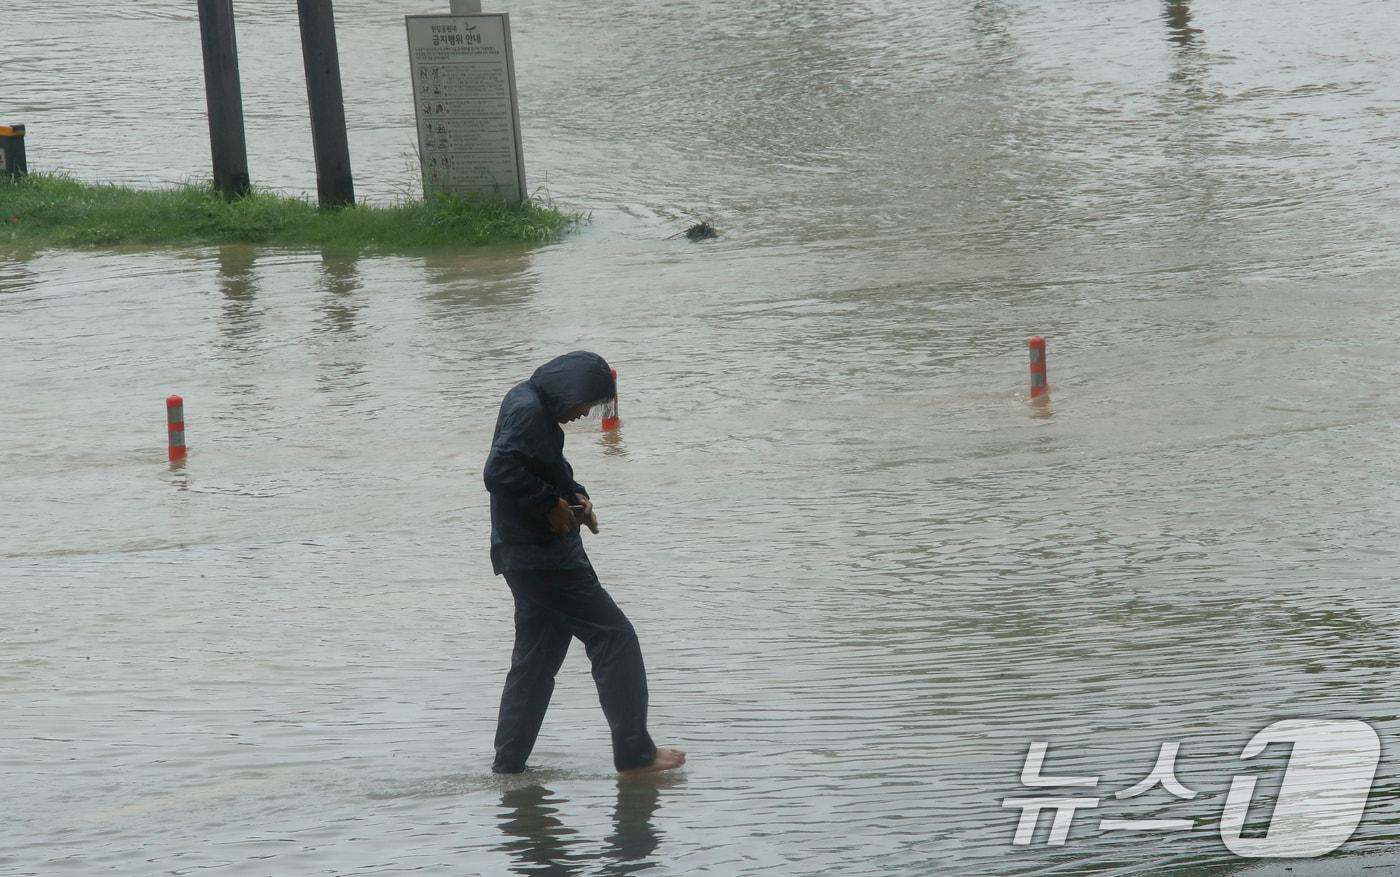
point(588, 517)
point(561, 518)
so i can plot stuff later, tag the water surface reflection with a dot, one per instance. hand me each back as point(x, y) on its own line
point(238, 285)
point(539, 842)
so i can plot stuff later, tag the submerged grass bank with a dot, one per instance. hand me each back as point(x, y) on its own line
point(48, 210)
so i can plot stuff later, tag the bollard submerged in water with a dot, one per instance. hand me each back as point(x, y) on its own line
point(175, 426)
point(610, 419)
point(1039, 387)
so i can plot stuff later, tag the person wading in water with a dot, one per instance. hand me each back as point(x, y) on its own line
point(535, 544)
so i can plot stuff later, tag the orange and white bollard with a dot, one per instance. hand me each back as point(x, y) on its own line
point(610, 419)
point(175, 426)
point(1039, 386)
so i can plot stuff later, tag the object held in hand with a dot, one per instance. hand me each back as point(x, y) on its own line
point(584, 519)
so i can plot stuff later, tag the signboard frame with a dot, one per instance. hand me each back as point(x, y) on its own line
point(463, 25)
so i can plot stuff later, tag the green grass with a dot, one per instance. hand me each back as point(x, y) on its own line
point(43, 210)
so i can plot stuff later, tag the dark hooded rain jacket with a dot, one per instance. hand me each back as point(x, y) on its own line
point(526, 472)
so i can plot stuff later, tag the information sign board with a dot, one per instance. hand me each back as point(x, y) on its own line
point(464, 97)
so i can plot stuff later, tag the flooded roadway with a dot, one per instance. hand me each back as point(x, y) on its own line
point(866, 574)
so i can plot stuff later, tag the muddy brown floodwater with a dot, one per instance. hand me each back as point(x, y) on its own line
point(866, 574)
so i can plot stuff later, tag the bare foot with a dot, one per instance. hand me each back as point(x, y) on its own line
point(666, 759)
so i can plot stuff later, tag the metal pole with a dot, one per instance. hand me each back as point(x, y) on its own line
point(466, 7)
point(335, 185)
point(221, 91)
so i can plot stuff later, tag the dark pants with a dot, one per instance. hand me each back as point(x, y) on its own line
point(551, 608)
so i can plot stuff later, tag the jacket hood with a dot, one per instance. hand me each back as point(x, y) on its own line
point(574, 379)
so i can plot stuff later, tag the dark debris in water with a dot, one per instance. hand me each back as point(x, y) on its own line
point(700, 231)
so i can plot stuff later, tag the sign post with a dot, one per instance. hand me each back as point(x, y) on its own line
point(335, 184)
point(12, 163)
point(465, 104)
point(225, 98)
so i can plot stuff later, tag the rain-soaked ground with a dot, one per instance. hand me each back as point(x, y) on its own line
point(866, 573)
